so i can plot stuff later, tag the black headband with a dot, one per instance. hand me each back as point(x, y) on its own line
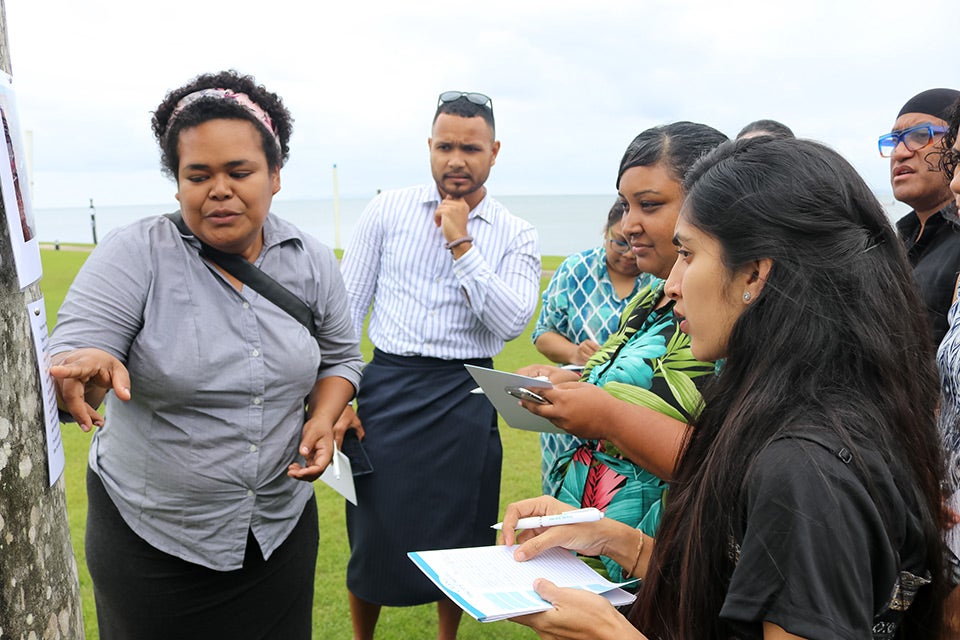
point(933, 102)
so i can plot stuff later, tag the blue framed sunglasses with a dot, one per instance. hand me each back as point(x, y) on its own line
point(913, 138)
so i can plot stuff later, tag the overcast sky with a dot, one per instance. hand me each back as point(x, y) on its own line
point(572, 82)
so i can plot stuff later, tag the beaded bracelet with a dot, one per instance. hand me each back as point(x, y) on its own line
point(633, 571)
point(458, 242)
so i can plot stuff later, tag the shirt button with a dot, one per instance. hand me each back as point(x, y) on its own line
point(256, 400)
point(253, 448)
point(246, 305)
point(255, 353)
point(433, 313)
point(249, 493)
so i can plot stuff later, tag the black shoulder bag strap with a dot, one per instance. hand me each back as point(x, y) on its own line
point(250, 275)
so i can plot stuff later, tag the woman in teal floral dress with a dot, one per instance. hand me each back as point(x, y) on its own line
point(637, 393)
point(581, 308)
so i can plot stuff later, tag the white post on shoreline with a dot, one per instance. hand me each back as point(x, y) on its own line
point(336, 210)
point(93, 221)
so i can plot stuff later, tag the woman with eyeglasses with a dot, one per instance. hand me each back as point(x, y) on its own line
point(581, 307)
point(807, 499)
point(640, 388)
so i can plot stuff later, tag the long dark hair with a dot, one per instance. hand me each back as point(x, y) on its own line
point(677, 145)
point(836, 339)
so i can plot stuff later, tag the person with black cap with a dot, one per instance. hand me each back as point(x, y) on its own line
point(931, 232)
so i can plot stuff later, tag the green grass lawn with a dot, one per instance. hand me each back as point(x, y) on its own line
point(520, 479)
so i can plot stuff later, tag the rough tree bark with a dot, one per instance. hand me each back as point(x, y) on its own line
point(39, 588)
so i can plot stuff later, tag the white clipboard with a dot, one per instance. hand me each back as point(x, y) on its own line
point(494, 384)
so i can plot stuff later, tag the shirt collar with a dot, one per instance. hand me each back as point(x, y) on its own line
point(276, 232)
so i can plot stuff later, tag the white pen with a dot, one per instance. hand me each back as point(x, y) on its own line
point(336, 461)
point(590, 334)
point(479, 390)
point(590, 514)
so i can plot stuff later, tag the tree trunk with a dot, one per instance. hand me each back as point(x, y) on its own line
point(39, 588)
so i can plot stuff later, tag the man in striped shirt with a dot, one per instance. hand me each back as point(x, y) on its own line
point(451, 275)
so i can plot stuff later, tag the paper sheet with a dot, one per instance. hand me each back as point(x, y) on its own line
point(15, 191)
point(344, 484)
point(55, 456)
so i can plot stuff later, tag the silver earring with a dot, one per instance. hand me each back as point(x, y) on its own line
point(746, 296)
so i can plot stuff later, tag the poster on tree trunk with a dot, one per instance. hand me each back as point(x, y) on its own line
point(14, 185)
point(56, 459)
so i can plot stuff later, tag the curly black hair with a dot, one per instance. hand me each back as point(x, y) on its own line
point(950, 158)
point(167, 129)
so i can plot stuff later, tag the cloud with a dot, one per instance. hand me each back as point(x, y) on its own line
point(572, 82)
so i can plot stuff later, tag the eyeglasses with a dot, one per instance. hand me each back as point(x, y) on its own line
point(620, 246)
point(475, 98)
point(913, 138)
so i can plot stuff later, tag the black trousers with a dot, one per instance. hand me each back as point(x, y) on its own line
point(143, 593)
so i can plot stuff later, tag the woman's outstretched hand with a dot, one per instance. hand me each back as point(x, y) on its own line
point(82, 378)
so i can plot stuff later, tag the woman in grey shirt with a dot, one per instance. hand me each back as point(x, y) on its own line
point(201, 516)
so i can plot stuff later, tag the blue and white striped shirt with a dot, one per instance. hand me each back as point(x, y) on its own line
point(424, 302)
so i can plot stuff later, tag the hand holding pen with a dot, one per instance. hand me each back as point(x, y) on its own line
point(585, 350)
point(583, 537)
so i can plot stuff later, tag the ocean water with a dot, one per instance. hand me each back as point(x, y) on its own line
point(566, 223)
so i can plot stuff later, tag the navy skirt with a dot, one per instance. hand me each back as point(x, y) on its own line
point(436, 456)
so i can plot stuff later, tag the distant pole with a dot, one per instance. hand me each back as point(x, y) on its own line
point(39, 589)
point(336, 210)
point(93, 221)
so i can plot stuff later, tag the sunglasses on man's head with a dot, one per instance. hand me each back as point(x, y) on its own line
point(913, 138)
point(475, 98)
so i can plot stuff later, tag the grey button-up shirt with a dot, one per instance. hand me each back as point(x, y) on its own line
point(199, 455)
